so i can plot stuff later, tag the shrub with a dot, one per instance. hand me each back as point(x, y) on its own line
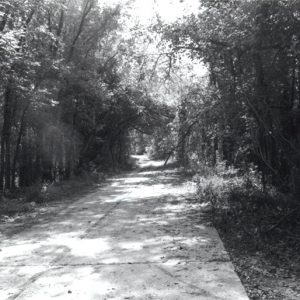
point(35, 193)
point(244, 200)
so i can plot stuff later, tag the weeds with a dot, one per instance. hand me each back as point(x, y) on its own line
point(242, 196)
point(257, 223)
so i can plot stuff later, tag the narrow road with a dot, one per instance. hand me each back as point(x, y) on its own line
point(141, 236)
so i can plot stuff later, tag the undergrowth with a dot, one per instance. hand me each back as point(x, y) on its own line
point(25, 200)
point(243, 197)
point(259, 225)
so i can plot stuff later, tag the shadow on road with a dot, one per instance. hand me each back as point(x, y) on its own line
point(139, 237)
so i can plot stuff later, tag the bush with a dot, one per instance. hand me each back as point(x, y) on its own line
point(244, 200)
point(216, 184)
point(35, 193)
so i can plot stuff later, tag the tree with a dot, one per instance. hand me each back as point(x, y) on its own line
point(251, 49)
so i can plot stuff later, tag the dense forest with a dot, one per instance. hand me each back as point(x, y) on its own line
point(79, 92)
point(67, 103)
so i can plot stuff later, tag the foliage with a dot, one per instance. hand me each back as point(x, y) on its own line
point(251, 51)
point(68, 99)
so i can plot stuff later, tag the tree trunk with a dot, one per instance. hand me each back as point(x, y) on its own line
point(181, 152)
point(17, 151)
point(5, 179)
point(4, 19)
point(87, 8)
point(24, 172)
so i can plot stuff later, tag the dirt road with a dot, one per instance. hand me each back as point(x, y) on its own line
point(141, 236)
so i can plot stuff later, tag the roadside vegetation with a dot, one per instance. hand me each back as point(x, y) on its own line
point(259, 227)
